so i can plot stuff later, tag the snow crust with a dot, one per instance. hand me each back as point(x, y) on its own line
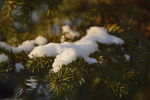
point(3, 58)
point(27, 46)
point(67, 52)
point(69, 33)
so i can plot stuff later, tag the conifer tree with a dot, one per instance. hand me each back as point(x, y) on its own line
point(120, 69)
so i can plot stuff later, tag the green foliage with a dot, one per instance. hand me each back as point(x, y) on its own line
point(38, 64)
point(5, 67)
point(64, 84)
point(112, 76)
point(118, 88)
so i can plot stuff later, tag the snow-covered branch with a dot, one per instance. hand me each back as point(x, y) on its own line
point(67, 52)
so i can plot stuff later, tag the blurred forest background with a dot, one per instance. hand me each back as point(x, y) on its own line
point(22, 20)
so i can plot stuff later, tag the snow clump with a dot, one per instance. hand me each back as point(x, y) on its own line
point(69, 33)
point(19, 66)
point(40, 40)
point(27, 46)
point(127, 57)
point(3, 58)
point(67, 52)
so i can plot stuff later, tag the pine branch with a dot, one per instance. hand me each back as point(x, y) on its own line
point(65, 83)
point(118, 88)
point(5, 67)
point(39, 64)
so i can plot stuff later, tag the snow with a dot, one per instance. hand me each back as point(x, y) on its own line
point(99, 34)
point(3, 58)
point(5, 46)
point(40, 40)
point(127, 57)
point(67, 52)
point(69, 33)
point(27, 46)
point(62, 39)
point(19, 66)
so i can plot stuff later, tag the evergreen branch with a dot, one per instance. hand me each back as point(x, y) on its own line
point(38, 64)
point(65, 83)
point(114, 28)
point(5, 67)
point(118, 88)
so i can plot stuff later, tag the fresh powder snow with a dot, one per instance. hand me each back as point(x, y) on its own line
point(127, 57)
point(19, 66)
point(67, 52)
point(27, 46)
point(40, 40)
point(3, 58)
point(69, 33)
